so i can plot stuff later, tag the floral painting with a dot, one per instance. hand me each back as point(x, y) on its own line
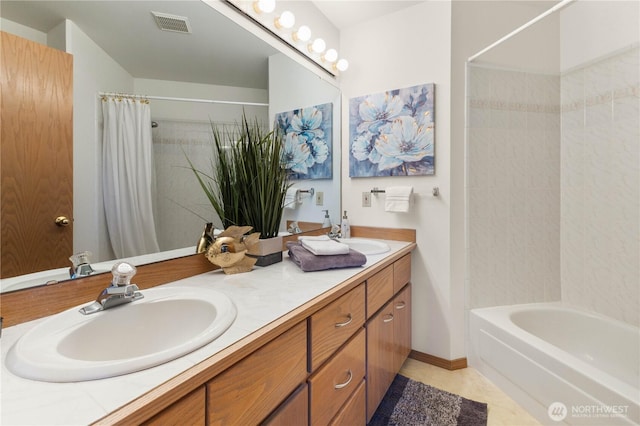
point(308, 138)
point(392, 133)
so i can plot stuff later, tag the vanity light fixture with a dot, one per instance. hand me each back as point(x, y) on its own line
point(302, 34)
point(264, 6)
point(341, 65)
point(283, 25)
point(331, 55)
point(317, 46)
point(285, 20)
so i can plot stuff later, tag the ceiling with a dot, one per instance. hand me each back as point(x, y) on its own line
point(217, 52)
point(347, 13)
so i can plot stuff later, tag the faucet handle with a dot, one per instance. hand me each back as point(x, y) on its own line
point(122, 274)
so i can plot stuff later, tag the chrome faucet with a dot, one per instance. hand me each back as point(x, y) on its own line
point(81, 266)
point(120, 291)
point(335, 232)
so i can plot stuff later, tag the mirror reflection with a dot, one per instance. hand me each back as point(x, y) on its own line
point(119, 47)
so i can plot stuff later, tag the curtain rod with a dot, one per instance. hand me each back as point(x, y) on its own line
point(555, 8)
point(168, 98)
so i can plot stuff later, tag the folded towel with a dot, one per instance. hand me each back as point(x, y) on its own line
point(324, 247)
point(309, 262)
point(291, 198)
point(314, 238)
point(397, 198)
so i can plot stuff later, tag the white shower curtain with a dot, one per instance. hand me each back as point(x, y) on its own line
point(128, 176)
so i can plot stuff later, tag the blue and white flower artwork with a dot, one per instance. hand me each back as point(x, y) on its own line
point(307, 134)
point(392, 133)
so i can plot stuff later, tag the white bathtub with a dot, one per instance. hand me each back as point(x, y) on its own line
point(560, 363)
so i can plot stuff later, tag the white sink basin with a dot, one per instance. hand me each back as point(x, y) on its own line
point(366, 246)
point(168, 323)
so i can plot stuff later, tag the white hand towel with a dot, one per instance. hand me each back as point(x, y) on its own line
point(324, 248)
point(314, 237)
point(292, 198)
point(397, 198)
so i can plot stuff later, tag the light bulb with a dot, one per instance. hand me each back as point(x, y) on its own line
point(264, 6)
point(317, 46)
point(330, 55)
point(303, 33)
point(342, 65)
point(285, 20)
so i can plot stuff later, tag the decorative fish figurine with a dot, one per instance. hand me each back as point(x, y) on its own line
point(229, 249)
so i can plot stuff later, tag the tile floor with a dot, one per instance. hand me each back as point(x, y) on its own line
point(470, 384)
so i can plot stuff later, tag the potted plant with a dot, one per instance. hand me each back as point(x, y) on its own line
point(247, 183)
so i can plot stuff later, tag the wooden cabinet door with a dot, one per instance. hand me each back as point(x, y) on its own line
point(402, 327)
point(380, 357)
point(36, 156)
point(254, 387)
point(189, 411)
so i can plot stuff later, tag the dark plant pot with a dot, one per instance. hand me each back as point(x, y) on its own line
point(267, 252)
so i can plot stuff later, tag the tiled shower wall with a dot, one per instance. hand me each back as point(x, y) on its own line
point(513, 187)
point(179, 197)
point(600, 186)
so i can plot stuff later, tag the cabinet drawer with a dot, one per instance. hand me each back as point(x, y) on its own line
point(335, 324)
point(379, 290)
point(332, 385)
point(401, 272)
point(187, 411)
point(247, 392)
point(354, 411)
point(294, 411)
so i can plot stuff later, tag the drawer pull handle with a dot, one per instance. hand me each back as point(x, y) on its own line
point(387, 318)
point(401, 305)
point(345, 384)
point(347, 322)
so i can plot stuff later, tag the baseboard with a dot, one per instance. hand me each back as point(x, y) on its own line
point(448, 364)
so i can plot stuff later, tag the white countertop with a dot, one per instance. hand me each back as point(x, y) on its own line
point(261, 296)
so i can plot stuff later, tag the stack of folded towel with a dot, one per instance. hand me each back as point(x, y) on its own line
point(321, 253)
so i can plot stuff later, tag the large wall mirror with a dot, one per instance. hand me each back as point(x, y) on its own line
point(119, 47)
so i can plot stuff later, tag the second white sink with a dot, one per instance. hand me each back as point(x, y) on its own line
point(366, 246)
point(166, 324)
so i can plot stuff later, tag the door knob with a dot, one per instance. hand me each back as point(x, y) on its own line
point(62, 221)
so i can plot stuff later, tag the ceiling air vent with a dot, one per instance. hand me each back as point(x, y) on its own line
point(175, 23)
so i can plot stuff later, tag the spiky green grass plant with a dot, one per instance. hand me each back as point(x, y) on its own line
point(247, 183)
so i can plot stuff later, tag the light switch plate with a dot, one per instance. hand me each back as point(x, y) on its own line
point(319, 198)
point(366, 199)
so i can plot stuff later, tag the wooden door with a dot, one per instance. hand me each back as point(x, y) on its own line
point(401, 327)
point(36, 155)
point(380, 357)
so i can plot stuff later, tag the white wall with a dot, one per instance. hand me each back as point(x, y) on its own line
point(93, 71)
point(399, 50)
point(591, 29)
point(23, 31)
point(291, 88)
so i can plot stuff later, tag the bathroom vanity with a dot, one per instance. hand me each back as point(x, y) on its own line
point(321, 347)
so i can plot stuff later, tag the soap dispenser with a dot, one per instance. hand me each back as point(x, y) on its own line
point(326, 223)
point(345, 228)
